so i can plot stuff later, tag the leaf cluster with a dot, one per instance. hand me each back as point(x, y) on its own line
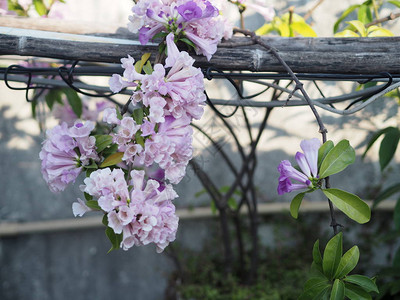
point(330, 277)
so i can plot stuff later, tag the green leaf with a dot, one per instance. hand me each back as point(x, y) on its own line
point(295, 204)
point(395, 3)
point(348, 262)
point(396, 259)
point(93, 165)
point(138, 115)
point(213, 207)
point(337, 290)
point(51, 97)
point(316, 253)
point(139, 139)
point(40, 7)
point(199, 193)
point(388, 146)
point(265, 29)
point(105, 220)
point(386, 193)
point(350, 204)
point(354, 292)
point(346, 33)
point(315, 288)
point(366, 283)
point(343, 16)
point(358, 26)
point(332, 256)
point(188, 42)
point(88, 197)
point(33, 108)
point(147, 68)
point(93, 204)
point(139, 64)
point(376, 31)
point(396, 215)
point(103, 141)
point(232, 203)
point(114, 238)
point(74, 101)
point(323, 151)
point(110, 150)
point(303, 29)
point(373, 139)
point(337, 159)
point(113, 159)
point(364, 14)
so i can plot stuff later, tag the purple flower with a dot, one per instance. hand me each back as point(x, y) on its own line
point(190, 11)
point(308, 163)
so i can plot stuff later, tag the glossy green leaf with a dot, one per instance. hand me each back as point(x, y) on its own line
point(105, 220)
point(332, 256)
point(316, 253)
point(40, 7)
point(395, 2)
point(388, 146)
point(88, 197)
point(350, 204)
point(147, 68)
point(373, 139)
point(364, 282)
point(337, 159)
point(110, 150)
point(295, 205)
point(343, 16)
point(323, 151)
point(364, 14)
point(348, 262)
point(188, 42)
point(113, 159)
point(393, 189)
point(337, 292)
point(303, 29)
point(103, 141)
point(354, 292)
point(358, 26)
point(93, 204)
point(74, 101)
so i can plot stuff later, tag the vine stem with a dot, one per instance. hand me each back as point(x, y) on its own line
point(299, 86)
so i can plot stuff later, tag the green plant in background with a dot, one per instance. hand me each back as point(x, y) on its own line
point(288, 25)
point(364, 26)
point(330, 277)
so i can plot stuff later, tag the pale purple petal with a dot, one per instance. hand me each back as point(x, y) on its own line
point(310, 149)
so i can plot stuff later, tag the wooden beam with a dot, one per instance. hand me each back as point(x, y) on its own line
point(303, 55)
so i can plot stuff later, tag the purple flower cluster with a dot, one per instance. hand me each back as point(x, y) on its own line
point(197, 20)
point(142, 211)
point(65, 151)
point(308, 163)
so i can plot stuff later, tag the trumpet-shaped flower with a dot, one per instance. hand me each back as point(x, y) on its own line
point(308, 163)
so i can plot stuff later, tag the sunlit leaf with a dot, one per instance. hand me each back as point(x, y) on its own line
point(346, 33)
point(395, 2)
point(350, 204)
point(343, 16)
point(348, 262)
point(375, 31)
point(364, 14)
point(40, 7)
point(139, 64)
point(265, 29)
point(332, 256)
point(357, 26)
point(303, 29)
point(337, 159)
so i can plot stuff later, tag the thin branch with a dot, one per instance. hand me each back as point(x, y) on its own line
point(390, 17)
point(309, 13)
